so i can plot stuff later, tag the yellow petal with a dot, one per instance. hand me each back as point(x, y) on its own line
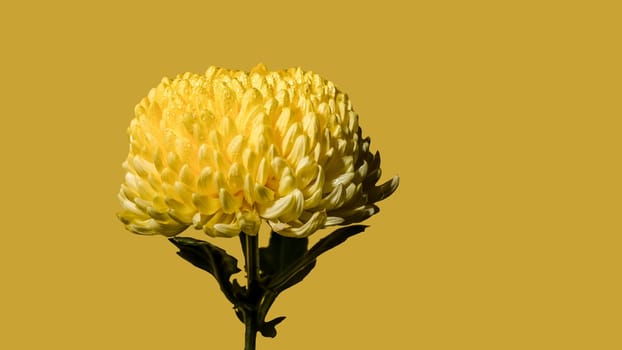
point(228, 202)
point(263, 194)
point(334, 199)
point(383, 191)
point(206, 182)
point(286, 208)
point(287, 182)
point(206, 204)
point(314, 200)
point(263, 172)
point(299, 149)
point(236, 178)
point(234, 148)
point(186, 176)
point(227, 230)
point(316, 222)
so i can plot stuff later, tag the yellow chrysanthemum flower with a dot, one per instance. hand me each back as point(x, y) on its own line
point(225, 150)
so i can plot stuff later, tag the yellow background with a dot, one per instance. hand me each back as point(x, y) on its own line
point(502, 120)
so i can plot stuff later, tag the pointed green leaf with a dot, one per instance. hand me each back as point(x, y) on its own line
point(239, 313)
point(268, 329)
point(303, 265)
point(334, 239)
point(212, 259)
point(238, 289)
point(280, 253)
point(298, 276)
point(206, 256)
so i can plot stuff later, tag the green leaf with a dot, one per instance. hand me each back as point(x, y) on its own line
point(205, 255)
point(303, 265)
point(268, 329)
point(212, 259)
point(334, 239)
point(280, 253)
point(239, 313)
point(238, 291)
point(298, 276)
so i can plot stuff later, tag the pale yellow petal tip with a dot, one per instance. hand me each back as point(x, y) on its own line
point(260, 68)
point(228, 149)
point(227, 230)
point(152, 228)
point(395, 183)
point(314, 223)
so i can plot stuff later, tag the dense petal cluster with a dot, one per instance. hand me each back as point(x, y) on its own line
point(225, 150)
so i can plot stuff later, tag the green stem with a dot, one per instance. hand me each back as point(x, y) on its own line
point(250, 334)
point(252, 259)
point(254, 292)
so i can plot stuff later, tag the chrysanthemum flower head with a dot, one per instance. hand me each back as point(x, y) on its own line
point(226, 150)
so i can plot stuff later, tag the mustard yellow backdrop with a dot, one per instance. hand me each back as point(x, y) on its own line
point(502, 120)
